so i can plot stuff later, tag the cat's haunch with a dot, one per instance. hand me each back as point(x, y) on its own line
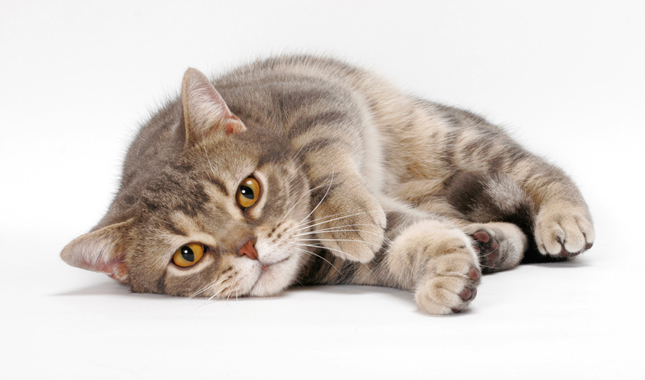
point(305, 170)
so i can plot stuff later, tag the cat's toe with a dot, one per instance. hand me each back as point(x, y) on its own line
point(563, 233)
point(486, 244)
point(451, 287)
point(446, 295)
point(468, 294)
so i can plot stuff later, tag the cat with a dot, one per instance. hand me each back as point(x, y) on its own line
point(300, 170)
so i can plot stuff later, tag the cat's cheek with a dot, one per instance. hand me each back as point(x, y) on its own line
point(276, 278)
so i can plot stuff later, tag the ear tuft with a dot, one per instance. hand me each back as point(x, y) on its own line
point(205, 112)
point(102, 250)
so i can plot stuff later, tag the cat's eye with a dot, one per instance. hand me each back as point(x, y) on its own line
point(188, 255)
point(248, 192)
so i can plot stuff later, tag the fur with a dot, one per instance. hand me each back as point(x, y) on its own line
point(359, 184)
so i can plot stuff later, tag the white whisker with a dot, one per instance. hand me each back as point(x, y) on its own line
point(208, 301)
point(314, 254)
point(353, 240)
point(209, 162)
point(298, 201)
point(386, 240)
point(210, 285)
point(337, 229)
point(319, 203)
point(339, 218)
point(336, 250)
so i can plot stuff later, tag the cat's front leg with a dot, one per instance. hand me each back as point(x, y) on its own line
point(438, 263)
point(347, 219)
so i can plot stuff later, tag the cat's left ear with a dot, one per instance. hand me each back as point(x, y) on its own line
point(205, 112)
point(102, 250)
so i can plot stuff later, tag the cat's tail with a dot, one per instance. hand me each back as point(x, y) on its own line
point(483, 198)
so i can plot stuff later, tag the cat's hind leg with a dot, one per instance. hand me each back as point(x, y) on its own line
point(500, 246)
point(563, 229)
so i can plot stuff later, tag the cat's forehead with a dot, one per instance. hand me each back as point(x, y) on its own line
point(224, 157)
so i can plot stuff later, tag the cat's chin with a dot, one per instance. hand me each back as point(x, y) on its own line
point(274, 278)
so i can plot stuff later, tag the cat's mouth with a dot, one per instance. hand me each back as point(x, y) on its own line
point(266, 276)
point(266, 267)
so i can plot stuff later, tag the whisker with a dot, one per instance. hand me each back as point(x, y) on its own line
point(356, 241)
point(320, 202)
point(211, 285)
point(294, 156)
point(327, 217)
point(386, 240)
point(321, 257)
point(207, 302)
point(336, 250)
point(298, 201)
point(221, 290)
point(209, 161)
point(339, 218)
point(338, 229)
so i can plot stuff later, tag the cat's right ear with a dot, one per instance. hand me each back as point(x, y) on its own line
point(102, 250)
point(206, 115)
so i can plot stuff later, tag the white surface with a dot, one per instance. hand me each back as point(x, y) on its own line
point(76, 78)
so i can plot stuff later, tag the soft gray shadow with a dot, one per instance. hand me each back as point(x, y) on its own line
point(399, 294)
point(357, 289)
point(108, 288)
point(575, 263)
point(111, 289)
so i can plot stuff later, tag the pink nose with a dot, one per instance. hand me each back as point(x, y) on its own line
point(248, 250)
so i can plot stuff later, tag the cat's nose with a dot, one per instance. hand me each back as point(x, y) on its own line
point(248, 250)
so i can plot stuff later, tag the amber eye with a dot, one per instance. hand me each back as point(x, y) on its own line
point(248, 192)
point(188, 255)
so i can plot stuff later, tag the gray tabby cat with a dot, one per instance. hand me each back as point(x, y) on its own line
point(304, 170)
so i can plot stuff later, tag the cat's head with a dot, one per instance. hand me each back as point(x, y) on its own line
point(217, 208)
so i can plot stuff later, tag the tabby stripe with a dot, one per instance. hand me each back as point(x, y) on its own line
point(347, 273)
point(219, 184)
point(175, 229)
point(325, 119)
point(321, 144)
point(301, 98)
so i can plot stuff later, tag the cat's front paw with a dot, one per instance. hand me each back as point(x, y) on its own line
point(563, 230)
point(351, 226)
point(451, 286)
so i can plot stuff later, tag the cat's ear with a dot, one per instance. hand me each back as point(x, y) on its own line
point(205, 112)
point(102, 250)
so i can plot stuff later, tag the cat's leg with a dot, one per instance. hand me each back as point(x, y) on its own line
point(563, 228)
point(537, 197)
point(500, 246)
point(562, 223)
point(424, 253)
point(347, 218)
point(437, 262)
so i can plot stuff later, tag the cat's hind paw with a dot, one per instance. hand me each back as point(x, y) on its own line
point(563, 231)
point(486, 246)
point(500, 246)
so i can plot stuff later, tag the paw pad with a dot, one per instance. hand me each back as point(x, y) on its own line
point(468, 294)
point(487, 247)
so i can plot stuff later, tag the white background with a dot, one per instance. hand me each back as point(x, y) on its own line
point(77, 78)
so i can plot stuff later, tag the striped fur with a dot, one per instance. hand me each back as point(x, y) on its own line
point(360, 184)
